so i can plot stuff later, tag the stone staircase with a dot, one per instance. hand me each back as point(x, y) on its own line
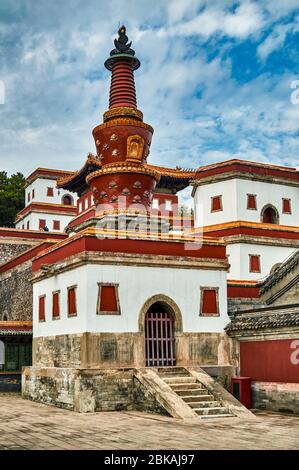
point(194, 394)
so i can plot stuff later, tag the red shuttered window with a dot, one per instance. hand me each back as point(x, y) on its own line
point(254, 263)
point(108, 302)
point(209, 305)
point(42, 224)
point(216, 203)
point(286, 206)
point(56, 224)
point(71, 301)
point(55, 305)
point(41, 308)
point(50, 192)
point(251, 202)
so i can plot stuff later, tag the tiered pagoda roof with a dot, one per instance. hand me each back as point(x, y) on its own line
point(174, 179)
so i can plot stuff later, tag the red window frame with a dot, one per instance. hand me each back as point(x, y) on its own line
point(108, 300)
point(72, 301)
point(254, 263)
point(56, 305)
point(209, 302)
point(216, 203)
point(251, 202)
point(42, 223)
point(50, 192)
point(41, 308)
point(56, 224)
point(286, 206)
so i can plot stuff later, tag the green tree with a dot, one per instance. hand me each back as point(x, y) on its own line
point(12, 194)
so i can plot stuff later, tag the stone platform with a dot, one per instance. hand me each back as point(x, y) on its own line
point(28, 425)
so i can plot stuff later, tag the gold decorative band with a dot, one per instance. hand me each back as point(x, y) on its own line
point(123, 122)
point(122, 111)
point(120, 211)
point(122, 168)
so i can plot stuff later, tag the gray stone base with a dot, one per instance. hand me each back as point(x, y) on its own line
point(274, 396)
point(88, 390)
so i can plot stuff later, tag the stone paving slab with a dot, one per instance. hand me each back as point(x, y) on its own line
point(29, 425)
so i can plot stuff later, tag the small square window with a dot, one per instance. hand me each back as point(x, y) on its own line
point(286, 206)
point(56, 224)
point(209, 302)
point(42, 224)
point(50, 192)
point(254, 263)
point(251, 202)
point(216, 204)
point(108, 302)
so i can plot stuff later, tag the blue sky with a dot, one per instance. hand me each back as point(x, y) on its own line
point(215, 80)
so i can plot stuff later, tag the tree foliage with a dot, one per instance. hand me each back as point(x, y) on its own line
point(12, 194)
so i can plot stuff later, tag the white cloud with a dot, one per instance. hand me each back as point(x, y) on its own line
point(245, 20)
point(277, 38)
point(57, 87)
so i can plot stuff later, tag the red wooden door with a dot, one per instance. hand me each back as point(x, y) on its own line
point(159, 339)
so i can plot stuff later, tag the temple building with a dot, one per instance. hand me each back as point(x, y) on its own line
point(126, 303)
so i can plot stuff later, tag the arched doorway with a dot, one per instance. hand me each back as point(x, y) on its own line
point(159, 336)
point(270, 215)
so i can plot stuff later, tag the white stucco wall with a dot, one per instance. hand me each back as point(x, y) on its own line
point(40, 186)
point(136, 286)
point(202, 203)
point(34, 217)
point(234, 199)
point(269, 256)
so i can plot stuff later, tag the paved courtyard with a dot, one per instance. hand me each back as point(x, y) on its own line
point(28, 425)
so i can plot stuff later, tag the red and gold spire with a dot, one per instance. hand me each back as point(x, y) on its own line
point(124, 183)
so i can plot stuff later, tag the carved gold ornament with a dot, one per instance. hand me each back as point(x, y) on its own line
point(135, 146)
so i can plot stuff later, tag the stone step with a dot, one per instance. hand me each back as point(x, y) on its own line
point(180, 380)
point(193, 398)
point(172, 374)
point(171, 369)
point(224, 415)
point(199, 398)
point(217, 410)
point(185, 387)
point(203, 404)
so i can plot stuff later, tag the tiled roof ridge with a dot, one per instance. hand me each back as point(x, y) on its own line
point(286, 267)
